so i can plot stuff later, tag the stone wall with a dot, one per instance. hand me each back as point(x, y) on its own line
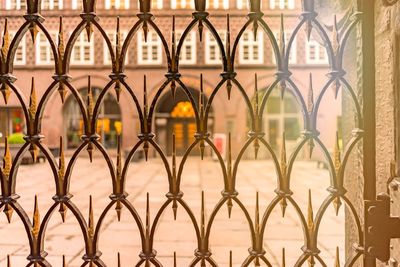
point(387, 36)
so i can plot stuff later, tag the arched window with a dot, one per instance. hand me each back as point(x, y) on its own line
point(108, 123)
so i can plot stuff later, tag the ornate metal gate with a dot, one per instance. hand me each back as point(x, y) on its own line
point(335, 44)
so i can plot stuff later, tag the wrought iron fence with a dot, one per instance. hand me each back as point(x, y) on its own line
point(335, 43)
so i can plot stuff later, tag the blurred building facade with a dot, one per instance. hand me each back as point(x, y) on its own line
point(92, 58)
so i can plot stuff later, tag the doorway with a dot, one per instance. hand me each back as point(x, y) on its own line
point(177, 116)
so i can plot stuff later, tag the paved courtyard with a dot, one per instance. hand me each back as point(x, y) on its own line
point(227, 234)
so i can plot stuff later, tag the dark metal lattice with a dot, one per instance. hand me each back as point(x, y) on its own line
point(62, 49)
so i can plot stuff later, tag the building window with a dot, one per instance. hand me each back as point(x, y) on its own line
point(20, 55)
point(15, 4)
point(44, 53)
point(217, 4)
point(242, 4)
point(113, 38)
point(316, 53)
point(149, 52)
point(250, 50)
point(178, 4)
point(108, 125)
point(282, 116)
point(293, 48)
point(52, 4)
point(281, 4)
point(76, 4)
point(213, 51)
point(188, 50)
point(116, 4)
point(83, 51)
point(11, 121)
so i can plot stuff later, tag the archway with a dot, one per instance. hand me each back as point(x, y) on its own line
point(177, 116)
point(108, 122)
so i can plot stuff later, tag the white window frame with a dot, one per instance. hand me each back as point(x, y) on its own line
point(74, 4)
point(17, 4)
point(185, 4)
point(242, 4)
point(193, 42)
point(107, 4)
point(318, 48)
point(106, 53)
point(149, 43)
point(251, 43)
point(282, 4)
point(211, 41)
point(215, 5)
point(22, 44)
point(81, 41)
point(49, 51)
point(51, 5)
point(293, 49)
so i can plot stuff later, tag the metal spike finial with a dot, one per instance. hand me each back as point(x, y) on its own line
point(310, 109)
point(8, 211)
point(202, 219)
point(147, 221)
point(6, 41)
point(256, 116)
point(283, 257)
point(8, 261)
point(117, 87)
point(61, 87)
point(283, 163)
point(145, 29)
point(89, 30)
point(5, 89)
point(200, 29)
point(32, 112)
point(310, 102)
point(118, 260)
point(64, 263)
point(255, 30)
point(61, 174)
point(7, 159)
point(91, 219)
point(230, 259)
point(308, 7)
point(36, 219)
point(310, 214)
point(337, 163)
point(282, 38)
point(201, 111)
point(174, 177)
point(228, 42)
point(337, 258)
point(229, 202)
point(90, 107)
point(175, 259)
point(61, 161)
point(336, 154)
point(257, 215)
point(173, 58)
point(118, 206)
point(145, 114)
point(336, 47)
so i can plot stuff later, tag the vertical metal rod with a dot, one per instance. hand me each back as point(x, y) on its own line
point(368, 75)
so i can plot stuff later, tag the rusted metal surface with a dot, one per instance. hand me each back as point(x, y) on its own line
point(335, 41)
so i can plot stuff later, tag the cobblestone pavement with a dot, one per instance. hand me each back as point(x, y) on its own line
point(227, 234)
